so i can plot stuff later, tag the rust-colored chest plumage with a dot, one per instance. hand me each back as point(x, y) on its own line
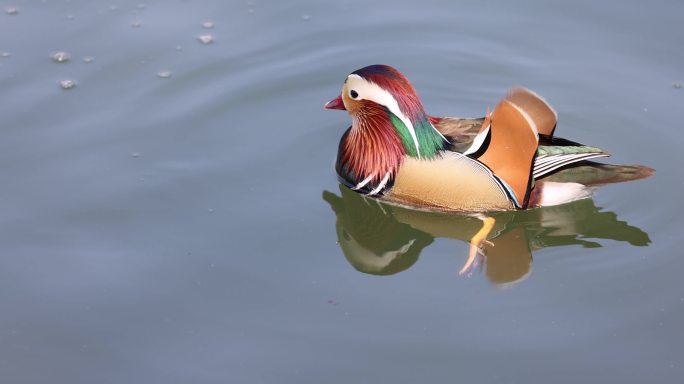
point(370, 151)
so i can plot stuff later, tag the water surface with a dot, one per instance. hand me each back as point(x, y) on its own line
point(181, 228)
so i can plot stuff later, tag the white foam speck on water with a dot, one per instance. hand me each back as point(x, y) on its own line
point(60, 57)
point(206, 39)
point(67, 84)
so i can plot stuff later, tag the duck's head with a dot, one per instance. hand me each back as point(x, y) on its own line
point(380, 93)
point(378, 84)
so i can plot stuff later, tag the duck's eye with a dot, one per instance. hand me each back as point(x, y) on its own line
point(353, 94)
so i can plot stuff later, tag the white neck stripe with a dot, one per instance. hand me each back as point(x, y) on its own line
point(381, 185)
point(364, 182)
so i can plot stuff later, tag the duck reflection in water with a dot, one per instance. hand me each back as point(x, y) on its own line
point(382, 239)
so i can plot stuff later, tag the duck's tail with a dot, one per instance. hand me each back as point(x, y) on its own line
point(592, 174)
point(579, 180)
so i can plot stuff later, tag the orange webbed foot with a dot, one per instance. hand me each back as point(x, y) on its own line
point(477, 243)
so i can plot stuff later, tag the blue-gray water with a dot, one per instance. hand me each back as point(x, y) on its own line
point(174, 230)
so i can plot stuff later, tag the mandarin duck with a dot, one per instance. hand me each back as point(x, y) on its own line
point(396, 152)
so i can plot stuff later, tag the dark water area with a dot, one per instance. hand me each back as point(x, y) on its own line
point(175, 217)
